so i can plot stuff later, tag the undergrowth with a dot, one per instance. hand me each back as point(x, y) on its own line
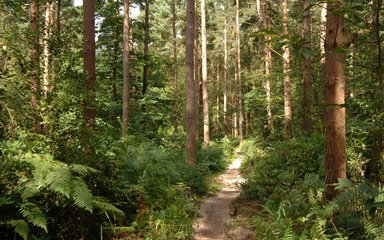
point(288, 178)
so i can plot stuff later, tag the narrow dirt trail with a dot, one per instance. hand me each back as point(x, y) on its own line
point(214, 213)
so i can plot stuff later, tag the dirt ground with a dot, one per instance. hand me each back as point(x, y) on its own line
point(216, 213)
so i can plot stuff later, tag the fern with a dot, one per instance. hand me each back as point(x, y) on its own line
point(34, 215)
point(81, 195)
point(60, 180)
point(21, 227)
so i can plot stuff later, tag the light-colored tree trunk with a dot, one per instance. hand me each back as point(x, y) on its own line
point(204, 74)
point(217, 117)
point(287, 78)
point(225, 90)
point(175, 65)
point(35, 63)
point(197, 78)
point(146, 48)
point(323, 20)
point(267, 68)
point(126, 41)
point(241, 118)
point(47, 50)
point(190, 104)
point(307, 75)
point(335, 160)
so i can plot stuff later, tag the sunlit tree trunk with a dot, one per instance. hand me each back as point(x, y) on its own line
point(197, 77)
point(225, 90)
point(267, 68)
point(287, 78)
point(307, 75)
point(323, 19)
point(335, 161)
point(126, 41)
point(204, 74)
point(241, 118)
point(217, 116)
point(146, 48)
point(35, 63)
point(190, 107)
point(47, 50)
point(175, 65)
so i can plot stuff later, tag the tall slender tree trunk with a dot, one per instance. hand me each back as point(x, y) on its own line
point(146, 48)
point(217, 117)
point(377, 28)
point(47, 50)
point(323, 20)
point(35, 63)
point(89, 57)
point(225, 90)
point(241, 118)
point(190, 107)
point(267, 68)
point(197, 78)
point(307, 75)
point(204, 74)
point(126, 40)
point(175, 65)
point(335, 161)
point(287, 78)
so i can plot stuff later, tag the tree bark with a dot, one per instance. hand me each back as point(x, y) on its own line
point(204, 75)
point(175, 65)
point(146, 48)
point(225, 93)
point(126, 40)
point(323, 20)
point(190, 107)
point(287, 78)
point(241, 118)
point(335, 161)
point(267, 68)
point(307, 75)
point(35, 63)
point(217, 117)
point(47, 50)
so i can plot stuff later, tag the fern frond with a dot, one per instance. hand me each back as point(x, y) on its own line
point(81, 195)
point(104, 205)
point(34, 215)
point(60, 180)
point(82, 170)
point(21, 227)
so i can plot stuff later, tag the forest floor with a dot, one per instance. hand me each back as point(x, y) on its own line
point(218, 215)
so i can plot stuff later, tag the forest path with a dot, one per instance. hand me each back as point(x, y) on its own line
point(215, 212)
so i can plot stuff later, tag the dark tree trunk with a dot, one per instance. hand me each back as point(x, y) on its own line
point(146, 48)
point(126, 40)
point(190, 107)
point(335, 161)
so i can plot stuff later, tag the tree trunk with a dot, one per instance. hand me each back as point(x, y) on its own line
point(287, 78)
point(377, 27)
point(196, 72)
point(323, 20)
point(126, 40)
point(204, 74)
point(217, 122)
point(335, 162)
point(307, 75)
point(175, 66)
point(89, 57)
point(47, 50)
point(35, 63)
point(190, 108)
point(225, 100)
point(267, 68)
point(146, 49)
point(241, 118)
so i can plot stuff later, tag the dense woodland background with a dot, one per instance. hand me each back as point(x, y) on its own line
point(112, 127)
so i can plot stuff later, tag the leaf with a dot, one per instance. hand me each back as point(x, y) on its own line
point(21, 228)
point(307, 52)
point(82, 195)
point(60, 181)
point(105, 206)
point(343, 183)
point(34, 215)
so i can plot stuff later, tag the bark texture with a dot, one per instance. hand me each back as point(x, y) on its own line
point(126, 40)
point(35, 63)
point(204, 74)
point(335, 162)
point(241, 118)
point(146, 48)
point(89, 57)
point(307, 75)
point(190, 107)
point(287, 78)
